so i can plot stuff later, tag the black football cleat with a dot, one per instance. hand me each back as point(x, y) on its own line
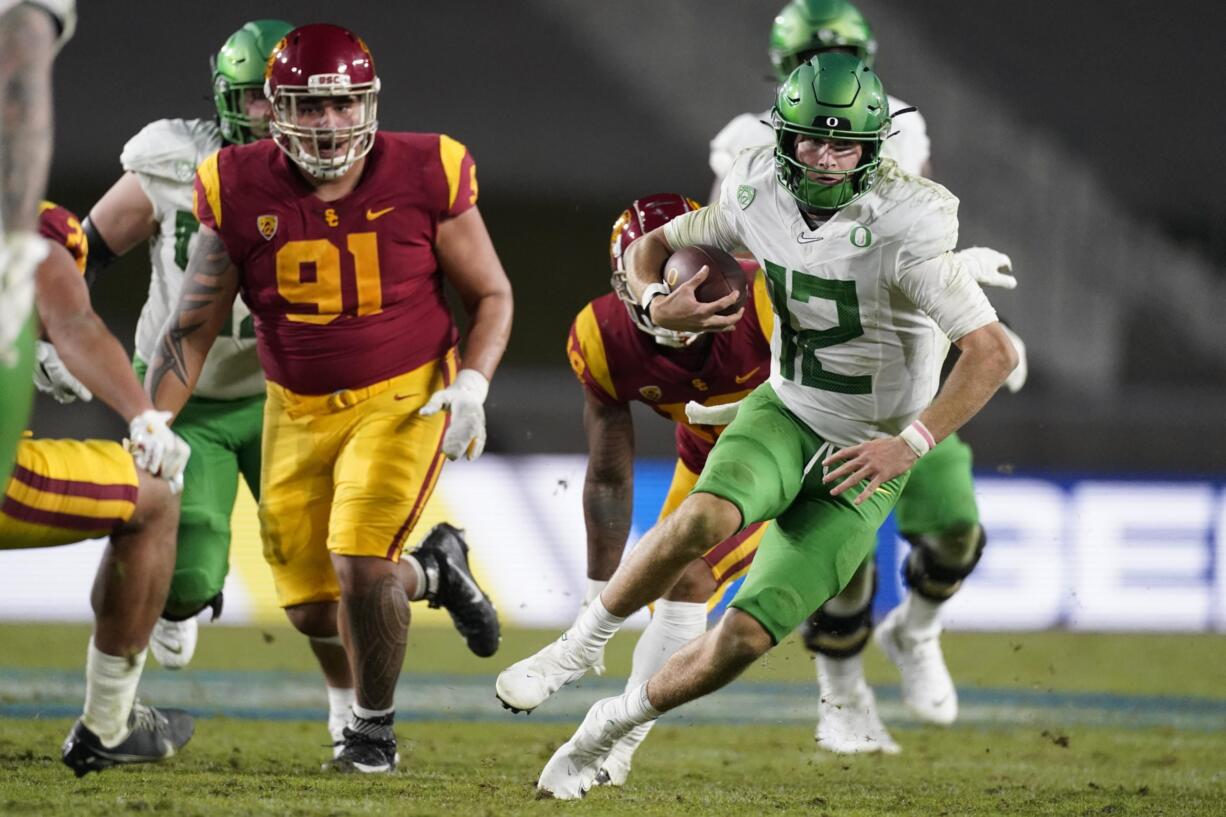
point(156, 735)
point(443, 556)
point(365, 753)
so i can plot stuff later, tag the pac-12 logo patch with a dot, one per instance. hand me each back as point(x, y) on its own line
point(267, 226)
point(651, 393)
point(744, 195)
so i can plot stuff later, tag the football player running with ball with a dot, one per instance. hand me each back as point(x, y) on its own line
point(936, 513)
point(620, 357)
point(863, 311)
point(340, 237)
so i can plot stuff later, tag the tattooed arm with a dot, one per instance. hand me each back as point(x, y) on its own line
point(608, 487)
point(209, 287)
point(27, 48)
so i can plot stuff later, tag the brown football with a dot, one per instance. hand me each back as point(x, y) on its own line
point(725, 276)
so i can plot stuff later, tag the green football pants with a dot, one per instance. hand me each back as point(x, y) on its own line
point(768, 464)
point(225, 440)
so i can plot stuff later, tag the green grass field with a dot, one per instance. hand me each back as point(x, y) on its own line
point(1053, 723)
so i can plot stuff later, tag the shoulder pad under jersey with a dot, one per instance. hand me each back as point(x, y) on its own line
point(171, 148)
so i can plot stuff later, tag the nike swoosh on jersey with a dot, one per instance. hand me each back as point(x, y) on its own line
point(741, 378)
point(371, 215)
point(808, 239)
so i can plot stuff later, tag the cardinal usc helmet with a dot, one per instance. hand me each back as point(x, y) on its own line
point(324, 92)
point(641, 217)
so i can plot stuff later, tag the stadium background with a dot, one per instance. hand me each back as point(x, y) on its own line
point(1083, 149)
point(1083, 139)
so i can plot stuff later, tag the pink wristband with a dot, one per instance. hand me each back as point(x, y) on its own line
point(918, 438)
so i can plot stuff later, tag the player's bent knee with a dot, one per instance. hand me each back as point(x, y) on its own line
point(156, 506)
point(937, 564)
point(841, 627)
point(316, 619)
point(705, 520)
point(742, 638)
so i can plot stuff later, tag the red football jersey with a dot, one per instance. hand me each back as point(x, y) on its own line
point(59, 224)
point(344, 293)
point(617, 362)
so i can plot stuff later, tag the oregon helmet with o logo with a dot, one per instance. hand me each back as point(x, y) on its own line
point(834, 96)
point(238, 68)
point(804, 28)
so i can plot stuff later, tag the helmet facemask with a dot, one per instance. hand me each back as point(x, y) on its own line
point(324, 153)
point(796, 176)
point(238, 79)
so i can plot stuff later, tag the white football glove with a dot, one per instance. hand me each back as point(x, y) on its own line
point(20, 255)
point(1017, 377)
point(711, 415)
point(52, 377)
point(988, 267)
point(465, 399)
point(157, 449)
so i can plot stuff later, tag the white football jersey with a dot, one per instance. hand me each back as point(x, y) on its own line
point(164, 156)
point(908, 143)
point(865, 302)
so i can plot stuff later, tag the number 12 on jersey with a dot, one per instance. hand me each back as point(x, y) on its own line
point(310, 273)
point(795, 341)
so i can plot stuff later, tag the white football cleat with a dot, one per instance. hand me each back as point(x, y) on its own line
point(927, 689)
point(173, 643)
point(573, 768)
point(849, 724)
point(527, 684)
point(616, 766)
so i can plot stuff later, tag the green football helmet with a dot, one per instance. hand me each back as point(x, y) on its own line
point(238, 68)
point(832, 96)
point(806, 27)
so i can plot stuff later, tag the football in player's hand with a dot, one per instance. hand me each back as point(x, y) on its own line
point(725, 274)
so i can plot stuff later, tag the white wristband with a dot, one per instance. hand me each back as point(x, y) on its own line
point(918, 438)
point(649, 294)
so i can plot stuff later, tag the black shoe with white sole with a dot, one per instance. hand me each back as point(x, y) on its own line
point(156, 734)
point(443, 556)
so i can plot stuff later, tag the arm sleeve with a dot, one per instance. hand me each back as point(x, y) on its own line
point(935, 280)
point(705, 226)
point(460, 171)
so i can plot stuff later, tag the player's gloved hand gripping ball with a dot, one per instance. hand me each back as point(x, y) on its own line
point(465, 398)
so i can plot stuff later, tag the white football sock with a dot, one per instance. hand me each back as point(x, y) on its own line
point(674, 624)
point(594, 627)
point(920, 616)
point(632, 708)
point(341, 701)
point(594, 586)
point(371, 714)
point(415, 566)
point(839, 677)
point(110, 691)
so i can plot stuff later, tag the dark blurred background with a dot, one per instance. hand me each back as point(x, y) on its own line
point(1083, 139)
